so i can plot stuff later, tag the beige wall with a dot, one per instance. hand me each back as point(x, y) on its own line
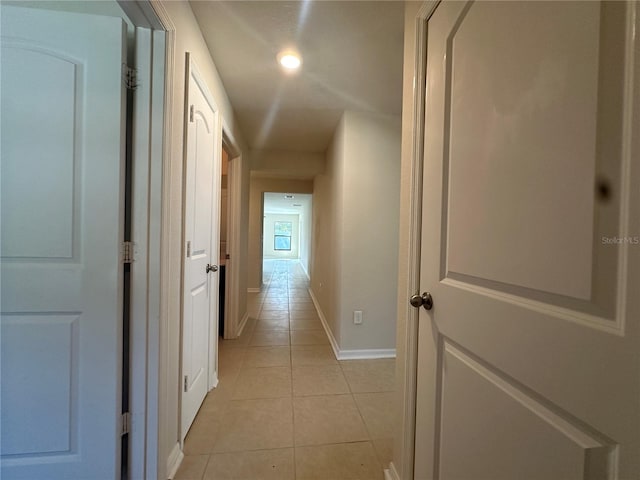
point(244, 237)
point(369, 240)
point(306, 224)
point(258, 186)
point(240, 256)
point(224, 204)
point(326, 260)
point(400, 449)
point(243, 223)
point(289, 164)
point(188, 38)
point(356, 204)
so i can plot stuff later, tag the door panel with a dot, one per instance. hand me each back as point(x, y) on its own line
point(202, 191)
point(533, 178)
point(62, 107)
point(529, 243)
point(39, 222)
point(22, 335)
point(477, 399)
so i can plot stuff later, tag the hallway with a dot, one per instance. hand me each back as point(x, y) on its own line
point(284, 407)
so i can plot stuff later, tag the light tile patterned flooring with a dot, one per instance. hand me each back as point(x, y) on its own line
point(285, 408)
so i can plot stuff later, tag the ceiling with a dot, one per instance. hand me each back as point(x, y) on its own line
point(352, 60)
point(278, 203)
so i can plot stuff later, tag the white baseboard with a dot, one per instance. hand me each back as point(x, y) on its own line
point(358, 354)
point(174, 461)
point(243, 323)
point(253, 290)
point(367, 354)
point(391, 473)
point(325, 325)
point(213, 381)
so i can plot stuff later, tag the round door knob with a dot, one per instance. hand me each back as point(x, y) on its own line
point(425, 300)
point(212, 268)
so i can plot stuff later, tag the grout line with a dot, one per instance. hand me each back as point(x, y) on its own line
point(345, 376)
point(373, 445)
point(206, 465)
point(293, 419)
point(226, 452)
point(362, 418)
point(334, 443)
point(259, 398)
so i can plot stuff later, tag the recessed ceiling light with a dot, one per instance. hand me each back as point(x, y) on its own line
point(289, 60)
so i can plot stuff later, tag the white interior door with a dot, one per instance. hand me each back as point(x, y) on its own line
point(529, 360)
point(62, 108)
point(202, 191)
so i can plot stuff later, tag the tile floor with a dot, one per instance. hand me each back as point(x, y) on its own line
point(285, 408)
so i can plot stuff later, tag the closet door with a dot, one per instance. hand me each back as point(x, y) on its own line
point(62, 112)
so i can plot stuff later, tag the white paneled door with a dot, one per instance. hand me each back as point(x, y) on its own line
point(202, 197)
point(529, 360)
point(62, 109)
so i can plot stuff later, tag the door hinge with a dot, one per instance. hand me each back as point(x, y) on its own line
point(127, 252)
point(129, 77)
point(126, 423)
point(191, 113)
point(186, 383)
point(188, 249)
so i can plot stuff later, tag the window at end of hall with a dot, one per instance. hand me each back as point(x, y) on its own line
point(282, 235)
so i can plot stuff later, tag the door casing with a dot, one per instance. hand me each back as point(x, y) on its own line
point(151, 145)
point(233, 325)
point(401, 466)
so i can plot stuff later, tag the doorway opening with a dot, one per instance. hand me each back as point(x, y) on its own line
point(230, 248)
point(286, 230)
point(224, 254)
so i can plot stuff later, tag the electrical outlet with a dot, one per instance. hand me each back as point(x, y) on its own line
point(357, 317)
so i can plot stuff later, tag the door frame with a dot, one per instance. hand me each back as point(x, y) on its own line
point(402, 465)
point(150, 232)
point(233, 325)
point(261, 249)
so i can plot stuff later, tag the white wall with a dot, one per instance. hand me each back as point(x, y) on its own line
point(355, 261)
point(188, 38)
point(269, 231)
